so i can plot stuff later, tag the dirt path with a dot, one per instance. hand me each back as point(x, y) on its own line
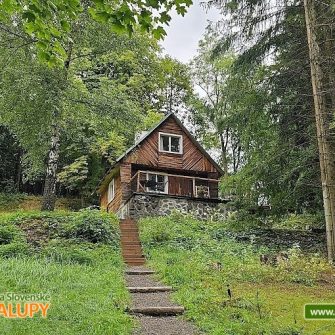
point(159, 316)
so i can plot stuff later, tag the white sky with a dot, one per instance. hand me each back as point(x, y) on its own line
point(184, 33)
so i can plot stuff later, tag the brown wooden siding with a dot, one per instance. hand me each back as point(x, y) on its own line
point(148, 154)
point(191, 162)
point(115, 204)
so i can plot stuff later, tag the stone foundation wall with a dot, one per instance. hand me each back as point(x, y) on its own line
point(142, 205)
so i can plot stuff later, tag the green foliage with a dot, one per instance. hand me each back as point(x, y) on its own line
point(14, 202)
point(98, 103)
point(9, 200)
point(51, 24)
point(302, 221)
point(93, 226)
point(86, 225)
point(12, 241)
point(75, 174)
point(73, 252)
point(199, 259)
point(86, 285)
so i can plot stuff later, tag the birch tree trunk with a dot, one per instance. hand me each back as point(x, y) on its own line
point(49, 193)
point(322, 117)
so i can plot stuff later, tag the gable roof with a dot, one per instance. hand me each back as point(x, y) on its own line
point(191, 137)
point(152, 130)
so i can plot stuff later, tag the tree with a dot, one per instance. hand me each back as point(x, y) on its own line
point(50, 24)
point(101, 98)
point(211, 109)
point(323, 119)
point(273, 103)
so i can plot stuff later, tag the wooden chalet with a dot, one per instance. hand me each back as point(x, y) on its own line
point(167, 160)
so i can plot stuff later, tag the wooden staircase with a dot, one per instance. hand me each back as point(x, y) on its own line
point(130, 243)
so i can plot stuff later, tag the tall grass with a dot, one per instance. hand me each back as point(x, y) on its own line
point(203, 262)
point(78, 263)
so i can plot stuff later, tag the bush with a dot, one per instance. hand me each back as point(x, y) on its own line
point(12, 241)
point(8, 201)
point(14, 249)
point(93, 226)
point(8, 233)
point(302, 221)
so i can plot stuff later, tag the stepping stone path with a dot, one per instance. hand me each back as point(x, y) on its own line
point(151, 304)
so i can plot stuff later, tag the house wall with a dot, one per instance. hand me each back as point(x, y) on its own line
point(114, 205)
point(191, 159)
point(144, 205)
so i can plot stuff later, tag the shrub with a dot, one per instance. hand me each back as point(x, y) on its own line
point(8, 201)
point(8, 233)
point(93, 226)
point(302, 221)
point(14, 249)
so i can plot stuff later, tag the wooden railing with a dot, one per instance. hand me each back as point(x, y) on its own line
point(180, 185)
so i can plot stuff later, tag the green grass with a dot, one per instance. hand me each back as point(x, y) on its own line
point(266, 299)
point(77, 261)
point(14, 202)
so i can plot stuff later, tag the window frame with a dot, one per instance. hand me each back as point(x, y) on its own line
point(111, 191)
point(166, 182)
point(160, 149)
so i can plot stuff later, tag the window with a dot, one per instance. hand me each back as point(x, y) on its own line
point(157, 183)
point(202, 191)
point(170, 143)
point(111, 190)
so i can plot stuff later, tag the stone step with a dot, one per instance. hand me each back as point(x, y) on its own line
point(158, 310)
point(150, 289)
point(139, 272)
point(135, 263)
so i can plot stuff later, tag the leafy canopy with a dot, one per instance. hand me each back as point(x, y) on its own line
point(50, 23)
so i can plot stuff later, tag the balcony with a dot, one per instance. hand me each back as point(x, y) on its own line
point(174, 185)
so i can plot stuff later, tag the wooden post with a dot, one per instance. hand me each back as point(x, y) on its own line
point(193, 179)
point(322, 125)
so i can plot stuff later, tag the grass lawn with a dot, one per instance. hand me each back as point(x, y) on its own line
point(73, 263)
point(266, 299)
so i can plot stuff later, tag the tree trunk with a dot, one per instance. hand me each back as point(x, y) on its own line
point(322, 126)
point(224, 155)
point(49, 194)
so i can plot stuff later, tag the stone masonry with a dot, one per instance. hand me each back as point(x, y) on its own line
point(143, 205)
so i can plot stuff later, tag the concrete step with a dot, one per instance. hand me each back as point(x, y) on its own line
point(135, 263)
point(139, 272)
point(158, 310)
point(150, 289)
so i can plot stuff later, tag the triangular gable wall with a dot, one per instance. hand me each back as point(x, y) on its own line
point(193, 158)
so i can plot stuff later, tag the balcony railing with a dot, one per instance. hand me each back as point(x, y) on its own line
point(172, 184)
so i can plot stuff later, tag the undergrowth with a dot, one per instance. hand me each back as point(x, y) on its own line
point(203, 261)
point(74, 257)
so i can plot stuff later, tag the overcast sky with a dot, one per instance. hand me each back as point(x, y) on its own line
point(184, 33)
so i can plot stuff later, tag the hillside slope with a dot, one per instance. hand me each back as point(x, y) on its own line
point(203, 262)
